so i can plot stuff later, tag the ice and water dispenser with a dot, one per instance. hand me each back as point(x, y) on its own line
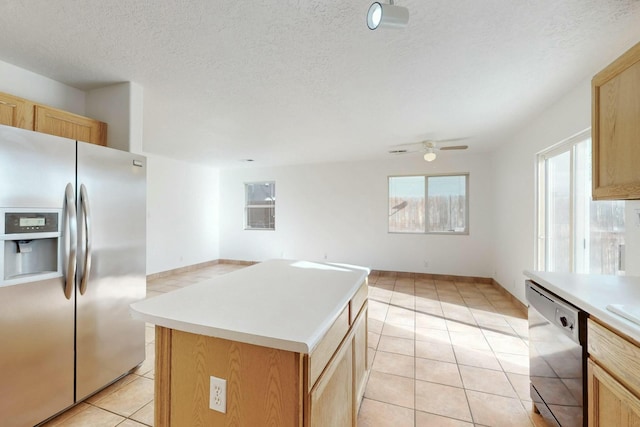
point(31, 245)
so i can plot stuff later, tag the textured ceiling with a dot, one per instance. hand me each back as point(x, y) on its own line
point(295, 81)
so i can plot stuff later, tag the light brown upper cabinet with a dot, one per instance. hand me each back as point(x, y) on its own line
point(61, 123)
point(16, 112)
point(22, 113)
point(616, 128)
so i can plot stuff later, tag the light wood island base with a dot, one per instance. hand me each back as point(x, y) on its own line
point(265, 386)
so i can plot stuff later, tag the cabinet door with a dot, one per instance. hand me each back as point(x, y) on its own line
point(360, 357)
point(16, 112)
point(616, 128)
point(61, 123)
point(331, 399)
point(609, 402)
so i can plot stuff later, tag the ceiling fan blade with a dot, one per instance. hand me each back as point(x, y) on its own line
point(455, 147)
point(408, 144)
point(440, 141)
point(400, 152)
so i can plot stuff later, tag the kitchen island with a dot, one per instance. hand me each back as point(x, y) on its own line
point(288, 337)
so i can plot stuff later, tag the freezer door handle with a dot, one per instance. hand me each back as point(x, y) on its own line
point(70, 200)
point(86, 215)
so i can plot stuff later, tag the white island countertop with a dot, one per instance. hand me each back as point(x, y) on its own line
point(282, 304)
point(592, 293)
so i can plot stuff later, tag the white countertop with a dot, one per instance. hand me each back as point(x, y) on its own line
point(592, 293)
point(282, 304)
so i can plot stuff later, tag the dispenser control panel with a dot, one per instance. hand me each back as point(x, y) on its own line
point(30, 222)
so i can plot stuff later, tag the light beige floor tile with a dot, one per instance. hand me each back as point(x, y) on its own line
point(514, 363)
point(151, 294)
point(427, 298)
point(373, 340)
point(145, 414)
point(378, 310)
point(497, 411)
point(431, 321)
point(130, 398)
point(433, 335)
point(439, 372)
point(374, 325)
point(57, 421)
point(486, 380)
point(90, 416)
point(459, 326)
point(472, 340)
point(424, 419)
point(131, 423)
point(397, 345)
point(377, 414)
point(398, 331)
point(391, 389)
point(403, 300)
point(478, 358)
point(507, 344)
point(113, 387)
point(520, 384)
point(401, 316)
point(435, 351)
point(442, 400)
point(149, 361)
point(396, 364)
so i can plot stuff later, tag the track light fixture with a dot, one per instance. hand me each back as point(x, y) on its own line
point(383, 15)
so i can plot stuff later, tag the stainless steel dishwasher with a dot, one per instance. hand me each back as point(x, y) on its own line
point(557, 349)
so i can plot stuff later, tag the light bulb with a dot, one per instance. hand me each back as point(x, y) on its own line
point(382, 15)
point(374, 16)
point(430, 156)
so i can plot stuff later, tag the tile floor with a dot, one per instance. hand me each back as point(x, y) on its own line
point(442, 353)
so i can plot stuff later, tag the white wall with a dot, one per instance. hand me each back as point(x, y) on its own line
point(514, 184)
point(25, 84)
point(340, 211)
point(120, 105)
point(182, 214)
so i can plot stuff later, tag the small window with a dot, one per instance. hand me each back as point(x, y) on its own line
point(429, 204)
point(260, 206)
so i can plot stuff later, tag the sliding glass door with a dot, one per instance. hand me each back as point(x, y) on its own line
point(576, 234)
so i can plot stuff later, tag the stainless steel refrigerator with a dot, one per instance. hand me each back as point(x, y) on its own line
point(72, 259)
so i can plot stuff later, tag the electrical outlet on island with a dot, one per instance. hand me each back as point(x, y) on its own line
point(218, 394)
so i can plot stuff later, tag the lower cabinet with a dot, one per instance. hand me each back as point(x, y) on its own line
point(613, 378)
point(610, 403)
point(331, 399)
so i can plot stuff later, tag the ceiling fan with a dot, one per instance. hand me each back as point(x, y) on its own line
point(429, 148)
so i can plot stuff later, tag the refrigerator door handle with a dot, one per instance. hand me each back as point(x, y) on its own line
point(86, 215)
point(70, 200)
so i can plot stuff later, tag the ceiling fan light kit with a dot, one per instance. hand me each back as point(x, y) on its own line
point(382, 15)
point(429, 148)
point(430, 156)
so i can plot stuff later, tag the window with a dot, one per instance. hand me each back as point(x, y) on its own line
point(260, 206)
point(576, 234)
point(429, 204)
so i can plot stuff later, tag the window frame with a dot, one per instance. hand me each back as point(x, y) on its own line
point(248, 207)
point(466, 230)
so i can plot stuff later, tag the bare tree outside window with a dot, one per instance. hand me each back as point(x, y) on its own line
point(429, 204)
point(260, 206)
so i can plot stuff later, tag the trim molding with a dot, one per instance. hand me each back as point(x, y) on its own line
point(522, 307)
